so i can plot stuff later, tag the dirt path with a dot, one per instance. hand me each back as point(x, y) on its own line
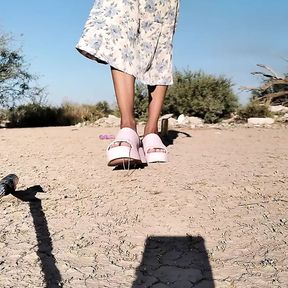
point(214, 216)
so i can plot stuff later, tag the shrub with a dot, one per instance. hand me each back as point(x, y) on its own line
point(36, 115)
point(80, 113)
point(141, 102)
point(254, 109)
point(193, 94)
point(3, 115)
point(197, 94)
point(33, 115)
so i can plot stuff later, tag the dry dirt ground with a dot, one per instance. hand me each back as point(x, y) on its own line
point(214, 216)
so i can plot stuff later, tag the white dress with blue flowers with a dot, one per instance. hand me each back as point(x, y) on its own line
point(134, 36)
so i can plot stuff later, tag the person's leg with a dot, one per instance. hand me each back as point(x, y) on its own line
point(124, 150)
point(156, 100)
point(124, 90)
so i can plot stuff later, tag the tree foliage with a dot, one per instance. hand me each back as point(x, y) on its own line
point(254, 109)
point(141, 101)
point(36, 115)
point(198, 94)
point(17, 85)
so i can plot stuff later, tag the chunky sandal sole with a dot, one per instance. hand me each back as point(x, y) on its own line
point(124, 155)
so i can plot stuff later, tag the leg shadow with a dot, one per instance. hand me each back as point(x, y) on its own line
point(130, 167)
point(52, 276)
point(171, 136)
point(177, 262)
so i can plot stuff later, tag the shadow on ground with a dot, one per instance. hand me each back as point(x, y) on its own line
point(172, 135)
point(177, 262)
point(130, 167)
point(52, 276)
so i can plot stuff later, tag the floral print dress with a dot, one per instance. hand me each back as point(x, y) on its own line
point(134, 36)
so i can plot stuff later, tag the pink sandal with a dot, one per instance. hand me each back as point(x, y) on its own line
point(124, 154)
point(150, 142)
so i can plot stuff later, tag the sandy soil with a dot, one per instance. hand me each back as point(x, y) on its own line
point(214, 216)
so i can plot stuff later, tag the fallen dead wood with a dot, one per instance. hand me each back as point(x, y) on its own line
point(274, 90)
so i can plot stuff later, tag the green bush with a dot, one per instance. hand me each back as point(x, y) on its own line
point(193, 94)
point(35, 115)
point(82, 113)
point(3, 115)
point(141, 102)
point(197, 94)
point(254, 109)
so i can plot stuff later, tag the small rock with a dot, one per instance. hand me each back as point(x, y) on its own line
point(182, 120)
point(191, 122)
point(196, 121)
point(113, 121)
point(229, 120)
point(281, 118)
point(278, 109)
point(172, 122)
point(192, 126)
point(110, 121)
point(285, 117)
point(5, 124)
point(166, 116)
point(261, 121)
point(113, 117)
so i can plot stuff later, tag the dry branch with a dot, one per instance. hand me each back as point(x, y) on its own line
point(268, 98)
point(270, 70)
point(275, 88)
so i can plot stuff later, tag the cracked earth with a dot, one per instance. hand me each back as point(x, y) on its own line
point(214, 216)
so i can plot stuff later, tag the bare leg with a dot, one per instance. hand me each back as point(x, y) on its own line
point(124, 90)
point(156, 100)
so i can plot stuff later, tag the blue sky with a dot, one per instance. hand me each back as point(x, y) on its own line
point(221, 37)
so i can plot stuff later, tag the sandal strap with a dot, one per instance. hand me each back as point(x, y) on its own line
point(128, 136)
point(117, 141)
point(153, 141)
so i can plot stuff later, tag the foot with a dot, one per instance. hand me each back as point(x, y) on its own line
point(130, 124)
point(155, 150)
point(124, 149)
point(154, 130)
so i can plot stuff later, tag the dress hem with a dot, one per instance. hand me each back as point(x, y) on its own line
point(92, 55)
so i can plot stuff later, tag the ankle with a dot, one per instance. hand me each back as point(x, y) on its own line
point(128, 124)
point(150, 129)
